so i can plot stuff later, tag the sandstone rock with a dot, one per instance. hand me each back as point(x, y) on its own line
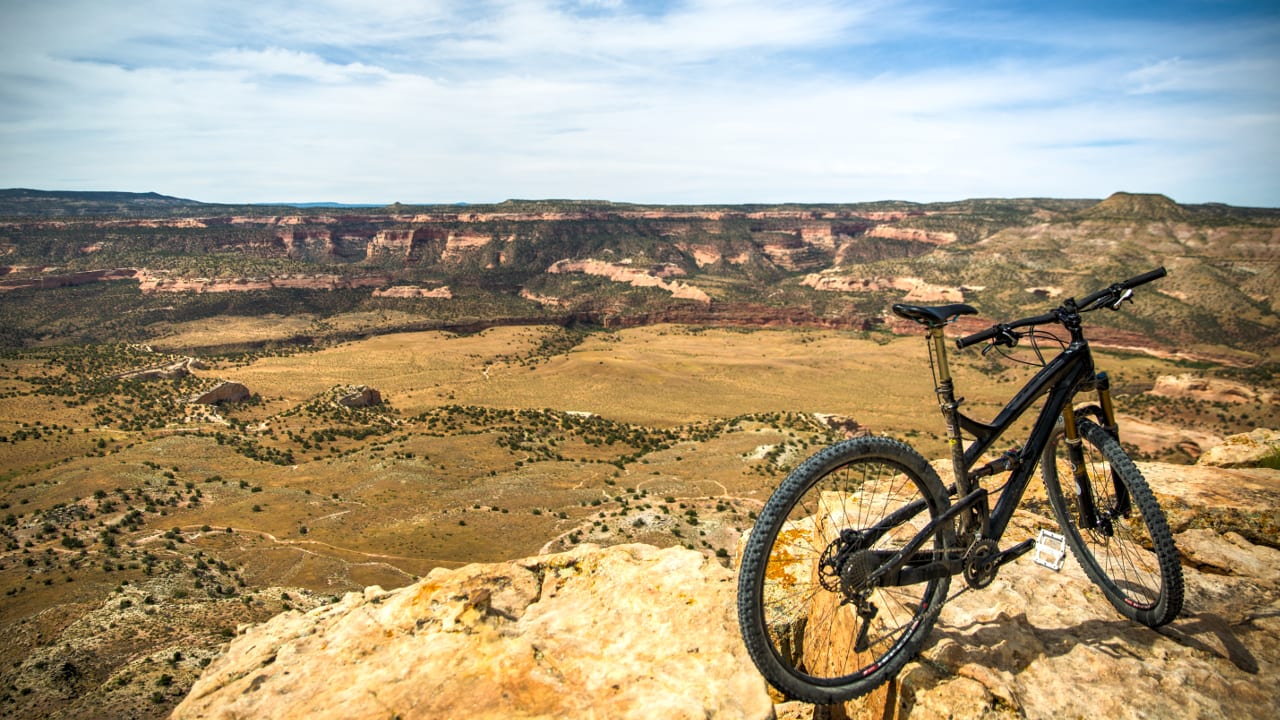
point(360, 396)
point(656, 276)
point(629, 631)
point(844, 423)
point(225, 392)
point(1244, 450)
point(1163, 437)
point(1043, 644)
point(900, 233)
point(916, 289)
point(1209, 389)
point(413, 291)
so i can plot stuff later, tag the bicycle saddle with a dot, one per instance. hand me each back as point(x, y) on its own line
point(933, 316)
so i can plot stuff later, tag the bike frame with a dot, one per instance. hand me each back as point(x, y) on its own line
point(1070, 372)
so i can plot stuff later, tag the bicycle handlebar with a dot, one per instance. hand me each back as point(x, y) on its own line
point(1109, 296)
point(1123, 285)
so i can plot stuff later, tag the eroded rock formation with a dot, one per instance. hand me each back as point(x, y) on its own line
point(224, 392)
point(413, 291)
point(1191, 386)
point(358, 396)
point(633, 631)
point(629, 631)
point(1244, 450)
point(916, 289)
point(655, 276)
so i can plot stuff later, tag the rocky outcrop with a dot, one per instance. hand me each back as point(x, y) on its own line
point(1043, 644)
point(417, 245)
point(224, 392)
point(843, 423)
point(916, 289)
point(1159, 439)
point(654, 276)
point(1190, 386)
point(358, 396)
point(413, 291)
point(1244, 450)
point(793, 253)
point(932, 237)
point(629, 631)
point(633, 631)
point(321, 244)
point(705, 254)
point(459, 245)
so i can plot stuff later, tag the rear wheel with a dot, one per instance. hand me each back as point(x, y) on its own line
point(1125, 547)
point(817, 622)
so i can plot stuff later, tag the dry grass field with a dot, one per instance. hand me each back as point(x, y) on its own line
point(120, 497)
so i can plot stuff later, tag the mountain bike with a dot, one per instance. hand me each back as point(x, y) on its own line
point(849, 563)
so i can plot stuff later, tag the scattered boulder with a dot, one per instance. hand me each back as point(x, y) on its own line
point(224, 392)
point(629, 631)
point(359, 396)
point(850, 427)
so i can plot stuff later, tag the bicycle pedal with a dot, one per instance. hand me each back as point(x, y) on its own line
point(1051, 550)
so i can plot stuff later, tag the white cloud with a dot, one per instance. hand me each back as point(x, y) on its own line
point(707, 100)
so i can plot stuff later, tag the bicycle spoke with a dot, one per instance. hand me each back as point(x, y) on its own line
point(1131, 557)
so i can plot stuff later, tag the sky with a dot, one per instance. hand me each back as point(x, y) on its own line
point(646, 101)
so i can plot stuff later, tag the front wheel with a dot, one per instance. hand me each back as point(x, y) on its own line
point(1120, 537)
point(816, 620)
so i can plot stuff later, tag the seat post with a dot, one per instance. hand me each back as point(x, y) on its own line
point(940, 352)
point(950, 408)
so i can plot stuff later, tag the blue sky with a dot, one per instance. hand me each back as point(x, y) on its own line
point(677, 101)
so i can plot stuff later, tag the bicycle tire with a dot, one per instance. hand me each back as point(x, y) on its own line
point(800, 635)
point(1129, 555)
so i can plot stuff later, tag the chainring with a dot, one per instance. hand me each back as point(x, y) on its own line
point(981, 562)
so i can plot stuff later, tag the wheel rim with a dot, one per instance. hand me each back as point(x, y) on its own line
point(1121, 544)
point(814, 627)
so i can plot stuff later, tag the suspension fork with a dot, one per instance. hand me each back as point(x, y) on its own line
point(1103, 383)
point(1087, 517)
point(1086, 503)
point(974, 520)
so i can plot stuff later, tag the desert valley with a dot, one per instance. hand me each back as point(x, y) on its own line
point(211, 415)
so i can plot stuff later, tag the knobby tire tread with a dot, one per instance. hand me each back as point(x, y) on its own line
point(757, 550)
point(1169, 599)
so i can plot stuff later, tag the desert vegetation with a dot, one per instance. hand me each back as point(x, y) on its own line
point(140, 527)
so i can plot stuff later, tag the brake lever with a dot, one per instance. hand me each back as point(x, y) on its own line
point(1127, 294)
point(1004, 336)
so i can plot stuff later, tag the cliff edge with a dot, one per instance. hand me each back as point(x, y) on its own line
point(632, 631)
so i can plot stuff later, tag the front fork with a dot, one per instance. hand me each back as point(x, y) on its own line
point(1088, 516)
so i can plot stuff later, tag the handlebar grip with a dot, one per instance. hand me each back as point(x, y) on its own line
point(1145, 278)
point(974, 339)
